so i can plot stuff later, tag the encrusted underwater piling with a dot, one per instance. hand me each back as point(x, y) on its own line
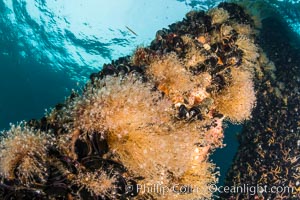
point(269, 152)
point(145, 125)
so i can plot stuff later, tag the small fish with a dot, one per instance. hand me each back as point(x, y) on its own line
point(131, 31)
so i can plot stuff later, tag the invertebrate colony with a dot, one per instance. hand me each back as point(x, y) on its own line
point(150, 118)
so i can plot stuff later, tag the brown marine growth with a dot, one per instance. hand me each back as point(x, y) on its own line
point(153, 118)
point(23, 154)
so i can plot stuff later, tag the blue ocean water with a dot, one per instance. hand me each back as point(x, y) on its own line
point(48, 47)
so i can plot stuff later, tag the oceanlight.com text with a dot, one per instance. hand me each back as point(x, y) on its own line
point(252, 190)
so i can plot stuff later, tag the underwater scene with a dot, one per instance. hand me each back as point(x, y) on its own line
point(161, 99)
